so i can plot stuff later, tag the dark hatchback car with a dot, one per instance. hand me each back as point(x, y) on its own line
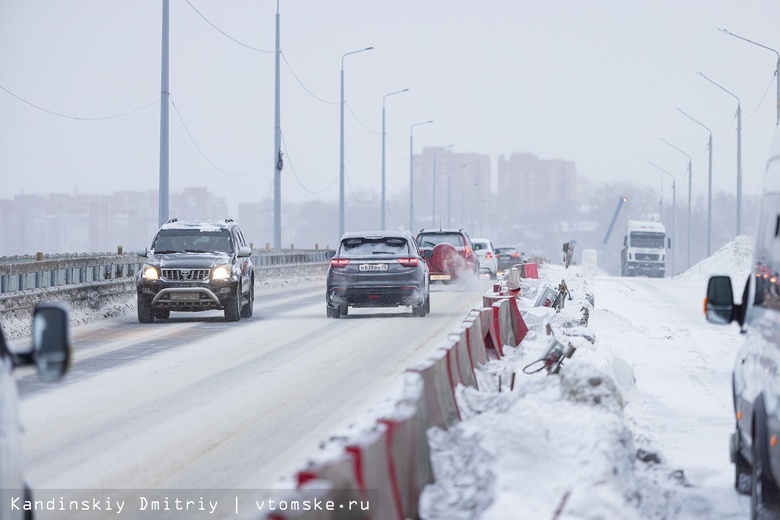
point(507, 257)
point(377, 269)
point(452, 255)
point(196, 266)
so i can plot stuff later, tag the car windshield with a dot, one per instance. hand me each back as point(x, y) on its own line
point(432, 239)
point(367, 246)
point(192, 241)
point(647, 239)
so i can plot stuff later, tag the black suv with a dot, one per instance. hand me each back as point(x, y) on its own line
point(196, 266)
point(755, 443)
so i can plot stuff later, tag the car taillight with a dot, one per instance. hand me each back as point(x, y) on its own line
point(408, 262)
point(515, 255)
point(468, 251)
point(338, 263)
point(488, 255)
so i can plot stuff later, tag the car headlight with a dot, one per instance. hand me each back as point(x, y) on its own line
point(150, 272)
point(221, 273)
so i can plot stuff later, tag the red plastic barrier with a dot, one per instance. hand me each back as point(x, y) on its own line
point(463, 357)
point(476, 339)
point(489, 334)
point(409, 457)
point(370, 457)
point(452, 363)
point(519, 328)
point(440, 407)
point(530, 271)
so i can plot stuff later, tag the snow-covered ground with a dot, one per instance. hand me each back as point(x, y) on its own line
point(635, 426)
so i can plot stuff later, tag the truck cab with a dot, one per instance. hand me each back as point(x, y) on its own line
point(644, 249)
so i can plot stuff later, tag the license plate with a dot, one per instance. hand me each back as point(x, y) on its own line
point(441, 277)
point(184, 296)
point(373, 267)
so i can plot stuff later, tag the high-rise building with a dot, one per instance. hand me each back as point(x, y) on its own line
point(528, 185)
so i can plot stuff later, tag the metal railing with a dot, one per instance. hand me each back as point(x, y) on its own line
point(25, 273)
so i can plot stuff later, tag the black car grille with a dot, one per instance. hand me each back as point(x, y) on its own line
point(645, 256)
point(185, 274)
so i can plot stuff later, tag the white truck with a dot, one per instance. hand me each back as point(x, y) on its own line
point(644, 249)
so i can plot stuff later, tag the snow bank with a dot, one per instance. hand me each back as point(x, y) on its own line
point(734, 259)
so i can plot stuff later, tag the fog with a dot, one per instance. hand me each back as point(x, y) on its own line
point(596, 84)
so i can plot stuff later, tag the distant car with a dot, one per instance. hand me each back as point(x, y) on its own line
point(50, 352)
point(452, 254)
point(196, 266)
point(507, 257)
point(488, 263)
point(377, 269)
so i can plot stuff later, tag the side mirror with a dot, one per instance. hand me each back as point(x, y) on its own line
point(668, 243)
point(625, 241)
point(51, 341)
point(330, 254)
point(244, 252)
point(142, 251)
point(719, 304)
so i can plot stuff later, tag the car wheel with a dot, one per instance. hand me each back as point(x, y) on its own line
point(332, 312)
point(145, 313)
point(418, 311)
point(743, 478)
point(343, 310)
point(233, 306)
point(428, 304)
point(248, 309)
point(162, 314)
point(764, 503)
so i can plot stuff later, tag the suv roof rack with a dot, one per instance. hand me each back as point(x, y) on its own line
point(228, 220)
point(174, 219)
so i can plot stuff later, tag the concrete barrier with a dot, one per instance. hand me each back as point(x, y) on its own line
point(519, 327)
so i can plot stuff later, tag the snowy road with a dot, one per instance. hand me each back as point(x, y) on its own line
point(198, 403)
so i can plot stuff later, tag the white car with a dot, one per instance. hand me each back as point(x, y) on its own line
point(488, 262)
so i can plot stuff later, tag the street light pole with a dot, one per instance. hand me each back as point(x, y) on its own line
point(278, 163)
point(433, 186)
point(739, 151)
point(690, 182)
point(162, 212)
point(709, 184)
point(341, 144)
point(383, 151)
point(411, 173)
point(674, 212)
point(777, 69)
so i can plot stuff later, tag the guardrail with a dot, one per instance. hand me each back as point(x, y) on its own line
point(24, 273)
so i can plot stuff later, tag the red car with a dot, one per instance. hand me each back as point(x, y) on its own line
point(453, 255)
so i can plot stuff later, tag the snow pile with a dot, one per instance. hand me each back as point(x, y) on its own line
point(734, 259)
point(548, 442)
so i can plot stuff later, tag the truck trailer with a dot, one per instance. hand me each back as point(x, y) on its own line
point(644, 249)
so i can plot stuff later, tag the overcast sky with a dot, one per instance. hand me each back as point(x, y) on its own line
point(593, 82)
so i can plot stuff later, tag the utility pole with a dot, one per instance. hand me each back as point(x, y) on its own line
point(165, 94)
point(278, 163)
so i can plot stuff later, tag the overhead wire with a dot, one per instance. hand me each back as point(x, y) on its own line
point(226, 35)
point(359, 121)
point(304, 86)
point(78, 118)
point(297, 179)
point(194, 142)
point(763, 98)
